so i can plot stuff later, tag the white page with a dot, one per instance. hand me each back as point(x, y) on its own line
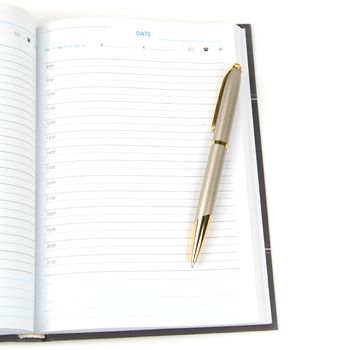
point(17, 170)
point(124, 117)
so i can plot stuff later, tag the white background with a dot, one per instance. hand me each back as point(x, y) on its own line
point(302, 61)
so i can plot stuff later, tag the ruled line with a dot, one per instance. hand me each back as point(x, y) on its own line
point(59, 117)
point(143, 271)
point(17, 123)
point(18, 64)
point(18, 170)
point(16, 202)
point(15, 235)
point(17, 261)
point(17, 56)
point(18, 139)
point(134, 81)
point(124, 87)
point(19, 86)
point(134, 101)
point(18, 116)
point(12, 145)
point(130, 130)
point(31, 106)
point(19, 227)
point(17, 186)
point(18, 194)
point(132, 206)
point(132, 60)
point(17, 210)
point(171, 68)
point(17, 78)
point(16, 48)
point(211, 237)
point(16, 243)
point(15, 218)
point(126, 222)
point(18, 154)
point(16, 162)
point(132, 74)
point(16, 270)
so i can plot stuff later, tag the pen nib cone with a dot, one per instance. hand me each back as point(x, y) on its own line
point(200, 228)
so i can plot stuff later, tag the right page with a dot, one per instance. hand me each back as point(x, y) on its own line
point(124, 116)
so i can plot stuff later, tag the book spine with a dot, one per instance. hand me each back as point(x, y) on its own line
point(31, 337)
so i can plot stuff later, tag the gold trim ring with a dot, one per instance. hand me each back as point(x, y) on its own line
point(222, 143)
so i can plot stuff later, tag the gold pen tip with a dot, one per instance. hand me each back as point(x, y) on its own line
point(192, 264)
point(237, 66)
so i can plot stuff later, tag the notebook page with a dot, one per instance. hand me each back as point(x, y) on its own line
point(17, 169)
point(125, 112)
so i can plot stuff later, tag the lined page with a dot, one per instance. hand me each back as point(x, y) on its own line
point(17, 170)
point(125, 112)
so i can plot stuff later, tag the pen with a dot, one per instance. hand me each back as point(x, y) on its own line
point(221, 126)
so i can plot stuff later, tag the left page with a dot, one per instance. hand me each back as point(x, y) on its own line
point(17, 170)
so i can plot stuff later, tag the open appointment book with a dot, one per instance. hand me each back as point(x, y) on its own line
point(104, 138)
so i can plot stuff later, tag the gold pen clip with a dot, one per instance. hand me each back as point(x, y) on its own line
point(215, 118)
